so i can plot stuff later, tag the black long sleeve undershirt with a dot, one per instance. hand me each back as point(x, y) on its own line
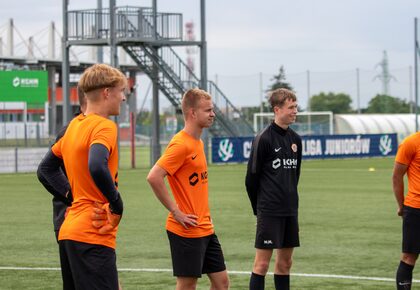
point(53, 178)
point(98, 168)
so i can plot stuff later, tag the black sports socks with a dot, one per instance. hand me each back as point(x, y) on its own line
point(404, 276)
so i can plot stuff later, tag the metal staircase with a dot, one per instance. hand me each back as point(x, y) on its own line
point(136, 34)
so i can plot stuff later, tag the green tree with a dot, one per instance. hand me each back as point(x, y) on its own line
point(337, 103)
point(387, 104)
point(279, 81)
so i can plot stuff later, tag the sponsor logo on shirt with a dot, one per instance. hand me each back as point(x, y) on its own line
point(195, 178)
point(287, 163)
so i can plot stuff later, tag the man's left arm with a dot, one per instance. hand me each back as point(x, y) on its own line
point(299, 161)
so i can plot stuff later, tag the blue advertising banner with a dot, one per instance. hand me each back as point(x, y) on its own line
point(225, 150)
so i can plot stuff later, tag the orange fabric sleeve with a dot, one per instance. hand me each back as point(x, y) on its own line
point(406, 151)
point(173, 158)
point(106, 134)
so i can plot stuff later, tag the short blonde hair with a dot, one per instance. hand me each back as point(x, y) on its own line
point(100, 76)
point(191, 98)
point(279, 96)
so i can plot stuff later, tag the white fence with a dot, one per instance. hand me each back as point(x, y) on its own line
point(14, 160)
point(20, 130)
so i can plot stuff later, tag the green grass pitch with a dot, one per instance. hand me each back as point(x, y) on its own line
point(348, 226)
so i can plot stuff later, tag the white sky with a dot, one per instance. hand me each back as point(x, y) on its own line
point(330, 38)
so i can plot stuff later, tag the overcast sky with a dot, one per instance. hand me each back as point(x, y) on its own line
point(247, 37)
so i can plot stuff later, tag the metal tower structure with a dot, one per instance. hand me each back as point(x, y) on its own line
point(148, 37)
point(385, 77)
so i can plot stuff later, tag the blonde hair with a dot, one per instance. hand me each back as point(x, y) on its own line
point(279, 96)
point(191, 98)
point(81, 95)
point(100, 76)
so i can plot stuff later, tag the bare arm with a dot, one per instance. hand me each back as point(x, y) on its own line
point(156, 180)
point(398, 184)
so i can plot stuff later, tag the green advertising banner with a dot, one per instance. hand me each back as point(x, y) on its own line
point(24, 86)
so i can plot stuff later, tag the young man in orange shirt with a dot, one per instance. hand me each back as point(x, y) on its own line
point(195, 248)
point(90, 154)
point(407, 162)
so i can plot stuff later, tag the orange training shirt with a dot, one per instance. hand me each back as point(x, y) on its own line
point(409, 154)
point(73, 148)
point(186, 164)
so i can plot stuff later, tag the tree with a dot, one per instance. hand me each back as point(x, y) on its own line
point(280, 81)
point(387, 104)
point(336, 103)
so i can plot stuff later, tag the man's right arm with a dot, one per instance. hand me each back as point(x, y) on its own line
point(53, 178)
point(252, 179)
point(156, 180)
point(398, 184)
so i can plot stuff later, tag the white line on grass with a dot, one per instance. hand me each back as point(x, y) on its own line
point(347, 277)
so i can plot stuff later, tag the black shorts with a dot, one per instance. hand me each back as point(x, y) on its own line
point(277, 232)
point(87, 266)
point(192, 257)
point(410, 230)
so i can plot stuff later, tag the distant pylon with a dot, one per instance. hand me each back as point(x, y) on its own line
point(385, 77)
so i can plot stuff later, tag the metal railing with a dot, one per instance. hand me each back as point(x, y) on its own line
point(130, 22)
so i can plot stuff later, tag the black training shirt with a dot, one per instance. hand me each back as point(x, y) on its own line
point(273, 172)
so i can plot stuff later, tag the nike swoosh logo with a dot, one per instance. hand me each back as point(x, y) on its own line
point(404, 283)
point(277, 149)
point(194, 157)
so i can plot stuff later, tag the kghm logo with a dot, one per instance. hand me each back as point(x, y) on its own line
point(225, 149)
point(25, 82)
point(385, 144)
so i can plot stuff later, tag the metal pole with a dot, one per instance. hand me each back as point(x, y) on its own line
point(308, 83)
point(65, 67)
point(358, 89)
point(410, 87)
point(261, 93)
point(112, 40)
point(133, 139)
point(155, 150)
point(154, 11)
point(53, 101)
point(10, 41)
point(100, 50)
point(203, 68)
point(416, 46)
point(155, 115)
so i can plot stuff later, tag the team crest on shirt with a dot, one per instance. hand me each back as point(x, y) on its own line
point(294, 147)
